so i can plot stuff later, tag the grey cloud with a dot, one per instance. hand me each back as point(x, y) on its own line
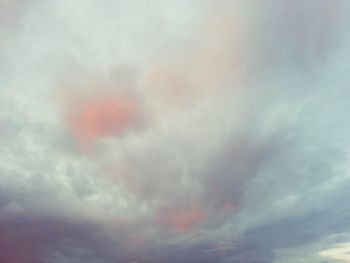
point(251, 157)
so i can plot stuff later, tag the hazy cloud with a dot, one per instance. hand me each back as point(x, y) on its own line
point(174, 131)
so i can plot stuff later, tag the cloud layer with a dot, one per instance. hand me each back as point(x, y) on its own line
point(174, 131)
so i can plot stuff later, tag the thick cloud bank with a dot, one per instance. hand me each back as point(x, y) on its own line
point(174, 131)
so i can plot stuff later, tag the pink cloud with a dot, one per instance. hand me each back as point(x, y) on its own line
point(100, 115)
point(183, 221)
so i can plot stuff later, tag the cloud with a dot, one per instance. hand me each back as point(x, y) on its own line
point(185, 131)
point(341, 253)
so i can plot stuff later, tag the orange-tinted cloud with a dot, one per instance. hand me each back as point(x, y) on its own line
point(100, 117)
point(227, 208)
point(204, 69)
point(168, 83)
point(183, 221)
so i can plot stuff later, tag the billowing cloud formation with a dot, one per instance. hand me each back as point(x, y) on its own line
point(174, 131)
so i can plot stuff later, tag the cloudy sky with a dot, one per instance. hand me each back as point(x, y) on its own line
point(187, 131)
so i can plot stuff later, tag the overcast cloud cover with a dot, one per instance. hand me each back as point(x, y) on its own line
point(191, 131)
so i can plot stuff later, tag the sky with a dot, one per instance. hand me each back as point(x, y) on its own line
point(187, 131)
